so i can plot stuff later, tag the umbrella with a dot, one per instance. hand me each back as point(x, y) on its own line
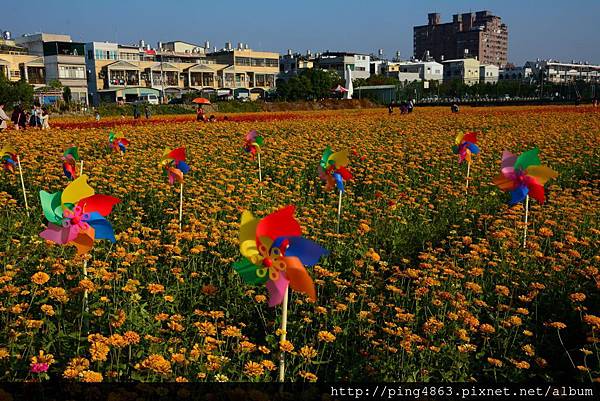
point(201, 100)
point(340, 88)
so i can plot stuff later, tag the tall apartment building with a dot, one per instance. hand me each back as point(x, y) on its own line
point(481, 35)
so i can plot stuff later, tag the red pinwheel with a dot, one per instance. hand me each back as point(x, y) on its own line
point(275, 253)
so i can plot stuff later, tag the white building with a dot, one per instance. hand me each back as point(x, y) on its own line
point(515, 73)
point(465, 70)
point(488, 73)
point(558, 72)
point(338, 61)
point(63, 61)
point(410, 71)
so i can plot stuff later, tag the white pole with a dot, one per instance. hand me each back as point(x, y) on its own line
point(81, 168)
point(526, 216)
point(259, 173)
point(180, 206)
point(339, 213)
point(23, 185)
point(283, 334)
point(85, 292)
point(468, 172)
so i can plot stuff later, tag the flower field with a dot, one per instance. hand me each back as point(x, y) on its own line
point(423, 282)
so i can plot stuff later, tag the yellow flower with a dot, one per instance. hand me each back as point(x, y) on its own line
point(311, 377)
point(269, 365)
point(40, 278)
point(325, 336)
point(89, 376)
point(308, 352)
point(99, 351)
point(495, 362)
point(157, 364)
point(286, 346)
point(253, 369)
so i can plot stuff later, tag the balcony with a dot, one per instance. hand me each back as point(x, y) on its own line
point(123, 78)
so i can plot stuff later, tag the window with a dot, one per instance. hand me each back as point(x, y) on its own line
point(242, 61)
point(71, 72)
point(90, 55)
point(272, 62)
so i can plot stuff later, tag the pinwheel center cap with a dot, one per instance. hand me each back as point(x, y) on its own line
point(267, 262)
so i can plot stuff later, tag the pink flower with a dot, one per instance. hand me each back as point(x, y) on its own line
point(39, 367)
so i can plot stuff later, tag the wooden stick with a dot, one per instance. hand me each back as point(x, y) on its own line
point(283, 335)
point(180, 206)
point(526, 216)
point(259, 173)
point(339, 213)
point(81, 168)
point(23, 185)
point(468, 172)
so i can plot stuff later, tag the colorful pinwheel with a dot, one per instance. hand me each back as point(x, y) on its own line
point(8, 158)
point(332, 169)
point(465, 146)
point(174, 165)
point(76, 215)
point(275, 253)
point(524, 176)
point(253, 143)
point(117, 142)
point(70, 159)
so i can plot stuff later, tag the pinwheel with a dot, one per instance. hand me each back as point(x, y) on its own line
point(524, 176)
point(465, 146)
point(8, 156)
point(77, 215)
point(117, 142)
point(70, 159)
point(332, 170)
point(174, 166)
point(274, 254)
point(252, 145)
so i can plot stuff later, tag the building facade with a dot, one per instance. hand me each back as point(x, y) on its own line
point(63, 60)
point(481, 35)
point(466, 71)
point(17, 64)
point(409, 71)
point(514, 73)
point(488, 73)
point(558, 72)
point(123, 73)
point(359, 64)
point(292, 64)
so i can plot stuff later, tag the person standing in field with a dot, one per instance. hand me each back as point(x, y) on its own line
point(3, 118)
point(45, 117)
point(16, 114)
point(200, 114)
point(147, 112)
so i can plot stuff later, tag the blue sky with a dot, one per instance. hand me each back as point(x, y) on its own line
point(562, 30)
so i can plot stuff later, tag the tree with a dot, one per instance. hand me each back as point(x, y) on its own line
point(67, 96)
point(310, 84)
point(15, 92)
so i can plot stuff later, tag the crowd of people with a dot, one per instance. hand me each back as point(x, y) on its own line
point(22, 118)
point(405, 107)
point(201, 115)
